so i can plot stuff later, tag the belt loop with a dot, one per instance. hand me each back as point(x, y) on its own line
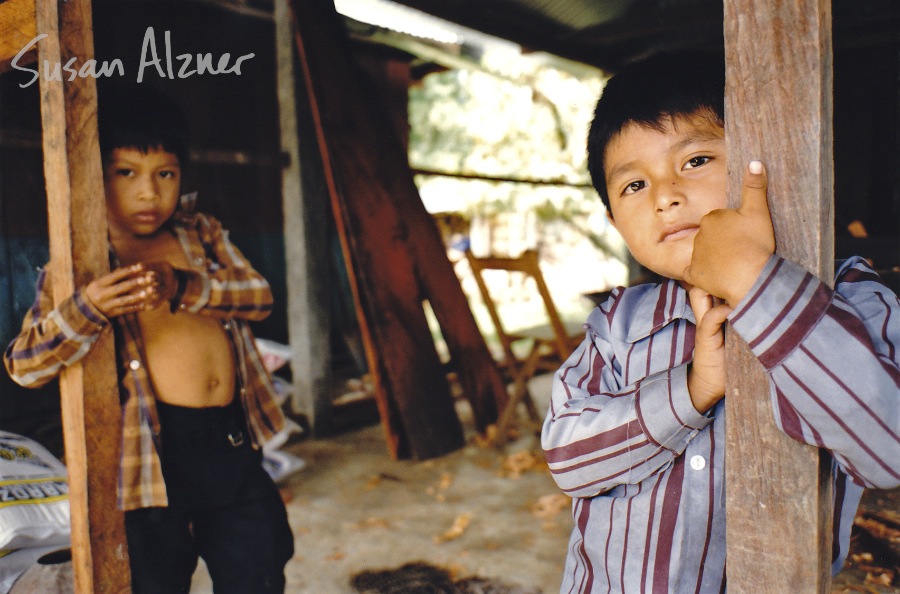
point(236, 439)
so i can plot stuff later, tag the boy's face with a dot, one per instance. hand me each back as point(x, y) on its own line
point(661, 183)
point(142, 190)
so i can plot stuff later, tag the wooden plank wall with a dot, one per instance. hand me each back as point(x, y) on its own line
point(779, 110)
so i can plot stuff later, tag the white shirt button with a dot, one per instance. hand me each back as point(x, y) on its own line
point(134, 364)
point(698, 462)
point(198, 261)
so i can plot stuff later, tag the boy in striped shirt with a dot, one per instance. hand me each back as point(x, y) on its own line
point(197, 403)
point(635, 430)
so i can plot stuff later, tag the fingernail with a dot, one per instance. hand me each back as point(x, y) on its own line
point(755, 167)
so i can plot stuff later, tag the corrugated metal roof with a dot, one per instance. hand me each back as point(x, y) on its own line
point(604, 33)
point(399, 18)
point(578, 14)
point(608, 33)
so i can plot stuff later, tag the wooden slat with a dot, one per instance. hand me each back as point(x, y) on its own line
point(778, 105)
point(17, 29)
point(79, 252)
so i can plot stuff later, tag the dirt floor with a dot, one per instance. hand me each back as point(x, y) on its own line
point(475, 512)
point(478, 512)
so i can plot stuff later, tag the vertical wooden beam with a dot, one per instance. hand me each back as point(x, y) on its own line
point(779, 110)
point(306, 252)
point(79, 252)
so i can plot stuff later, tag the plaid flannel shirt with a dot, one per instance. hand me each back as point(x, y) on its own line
point(220, 283)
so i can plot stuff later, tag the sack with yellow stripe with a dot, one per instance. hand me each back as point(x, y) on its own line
point(34, 495)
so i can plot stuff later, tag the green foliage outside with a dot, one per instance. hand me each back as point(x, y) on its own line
point(518, 118)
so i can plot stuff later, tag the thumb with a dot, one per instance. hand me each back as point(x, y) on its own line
point(701, 302)
point(753, 191)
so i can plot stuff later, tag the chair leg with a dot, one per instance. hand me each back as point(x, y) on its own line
point(533, 413)
point(519, 394)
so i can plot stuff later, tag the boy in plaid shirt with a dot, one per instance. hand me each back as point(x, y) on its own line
point(197, 403)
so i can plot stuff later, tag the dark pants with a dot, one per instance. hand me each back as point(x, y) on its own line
point(222, 506)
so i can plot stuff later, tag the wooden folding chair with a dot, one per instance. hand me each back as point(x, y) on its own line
point(551, 343)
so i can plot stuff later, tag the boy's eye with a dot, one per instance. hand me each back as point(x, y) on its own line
point(124, 171)
point(695, 162)
point(633, 187)
point(168, 174)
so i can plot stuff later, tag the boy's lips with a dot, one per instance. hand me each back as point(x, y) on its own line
point(148, 216)
point(680, 231)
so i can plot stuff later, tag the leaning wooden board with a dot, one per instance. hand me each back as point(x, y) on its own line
point(394, 253)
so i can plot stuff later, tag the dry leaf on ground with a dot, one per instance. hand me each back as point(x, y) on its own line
point(459, 527)
point(515, 465)
point(486, 440)
point(445, 482)
point(371, 523)
point(549, 506)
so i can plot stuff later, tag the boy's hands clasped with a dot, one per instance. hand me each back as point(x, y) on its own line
point(131, 289)
point(733, 245)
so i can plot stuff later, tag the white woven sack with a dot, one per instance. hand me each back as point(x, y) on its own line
point(34, 495)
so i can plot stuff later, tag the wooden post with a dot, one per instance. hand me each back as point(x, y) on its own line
point(79, 252)
point(779, 110)
point(306, 252)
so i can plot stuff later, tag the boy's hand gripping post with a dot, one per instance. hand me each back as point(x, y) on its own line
point(732, 246)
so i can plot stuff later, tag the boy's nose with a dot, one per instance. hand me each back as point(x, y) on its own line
point(148, 190)
point(667, 196)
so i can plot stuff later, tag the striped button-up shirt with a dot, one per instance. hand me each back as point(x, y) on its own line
point(220, 283)
point(646, 470)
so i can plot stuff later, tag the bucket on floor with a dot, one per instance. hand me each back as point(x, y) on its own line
point(51, 573)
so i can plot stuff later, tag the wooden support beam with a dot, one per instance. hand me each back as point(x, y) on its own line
point(17, 28)
point(79, 252)
point(306, 252)
point(779, 110)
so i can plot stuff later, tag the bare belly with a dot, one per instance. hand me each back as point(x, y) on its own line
point(189, 358)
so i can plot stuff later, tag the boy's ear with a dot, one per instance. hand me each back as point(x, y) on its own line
point(612, 221)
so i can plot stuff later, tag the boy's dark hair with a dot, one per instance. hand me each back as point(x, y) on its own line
point(140, 117)
point(651, 91)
